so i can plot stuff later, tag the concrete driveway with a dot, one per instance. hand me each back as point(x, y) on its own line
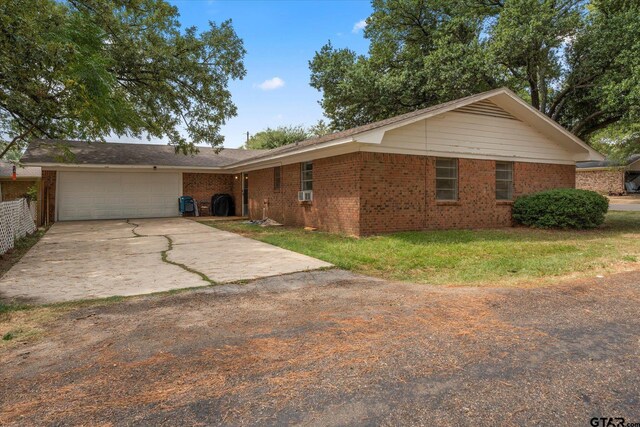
point(94, 259)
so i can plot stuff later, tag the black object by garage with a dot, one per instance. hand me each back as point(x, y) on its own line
point(222, 205)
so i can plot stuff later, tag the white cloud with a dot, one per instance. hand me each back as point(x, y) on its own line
point(271, 84)
point(359, 25)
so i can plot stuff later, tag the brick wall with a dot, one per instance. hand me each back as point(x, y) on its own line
point(476, 206)
point(371, 193)
point(335, 206)
point(48, 196)
point(201, 186)
point(13, 190)
point(264, 200)
point(393, 192)
point(534, 177)
point(602, 181)
point(399, 193)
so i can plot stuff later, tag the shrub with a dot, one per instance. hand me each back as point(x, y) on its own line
point(561, 208)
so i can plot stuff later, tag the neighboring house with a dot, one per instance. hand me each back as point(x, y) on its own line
point(12, 189)
point(454, 165)
point(610, 177)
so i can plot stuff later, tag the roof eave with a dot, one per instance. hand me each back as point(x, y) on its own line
point(72, 166)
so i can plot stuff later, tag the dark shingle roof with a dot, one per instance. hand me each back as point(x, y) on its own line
point(101, 153)
point(6, 171)
point(609, 163)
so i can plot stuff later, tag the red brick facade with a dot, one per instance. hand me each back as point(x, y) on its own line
point(369, 193)
point(610, 181)
point(393, 193)
point(201, 186)
point(13, 190)
point(335, 205)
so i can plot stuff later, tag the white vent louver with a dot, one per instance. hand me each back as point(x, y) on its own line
point(485, 108)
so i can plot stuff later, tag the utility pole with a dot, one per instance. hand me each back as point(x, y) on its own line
point(247, 137)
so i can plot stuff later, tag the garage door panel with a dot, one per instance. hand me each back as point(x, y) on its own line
point(114, 195)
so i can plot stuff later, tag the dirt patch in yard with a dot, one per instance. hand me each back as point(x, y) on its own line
point(333, 349)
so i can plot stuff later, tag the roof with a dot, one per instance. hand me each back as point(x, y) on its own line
point(6, 171)
point(370, 126)
point(609, 163)
point(102, 153)
point(46, 152)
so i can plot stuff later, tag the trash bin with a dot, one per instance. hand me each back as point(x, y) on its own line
point(222, 205)
point(186, 205)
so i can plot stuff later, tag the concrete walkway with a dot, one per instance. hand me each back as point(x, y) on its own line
point(94, 259)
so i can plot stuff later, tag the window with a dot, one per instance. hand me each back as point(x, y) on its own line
point(504, 180)
point(446, 179)
point(277, 173)
point(306, 176)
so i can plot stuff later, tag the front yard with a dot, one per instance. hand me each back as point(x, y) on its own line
point(475, 257)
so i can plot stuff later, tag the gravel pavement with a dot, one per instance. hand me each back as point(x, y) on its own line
point(334, 348)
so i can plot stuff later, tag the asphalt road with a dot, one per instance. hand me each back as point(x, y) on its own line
point(332, 348)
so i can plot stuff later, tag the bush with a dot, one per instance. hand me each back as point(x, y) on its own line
point(561, 208)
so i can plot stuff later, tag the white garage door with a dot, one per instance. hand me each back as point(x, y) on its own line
point(115, 195)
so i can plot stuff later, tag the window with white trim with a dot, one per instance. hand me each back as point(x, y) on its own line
point(446, 179)
point(504, 180)
point(306, 176)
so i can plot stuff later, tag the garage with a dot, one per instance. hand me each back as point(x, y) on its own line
point(117, 195)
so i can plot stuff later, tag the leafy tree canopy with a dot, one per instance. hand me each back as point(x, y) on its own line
point(618, 142)
point(85, 69)
point(272, 138)
point(284, 135)
point(576, 61)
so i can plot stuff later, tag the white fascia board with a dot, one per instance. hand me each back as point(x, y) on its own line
point(369, 148)
point(127, 168)
point(329, 149)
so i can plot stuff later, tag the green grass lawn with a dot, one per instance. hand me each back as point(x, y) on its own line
point(500, 256)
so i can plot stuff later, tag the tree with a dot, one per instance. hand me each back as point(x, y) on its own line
point(574, 60)
point(86, 69)
point(618, 142)
point(422, 52)
point(321, 128)
point(12, 155)
point(272, 138)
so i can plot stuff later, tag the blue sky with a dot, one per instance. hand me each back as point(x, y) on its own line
point(280, 38)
